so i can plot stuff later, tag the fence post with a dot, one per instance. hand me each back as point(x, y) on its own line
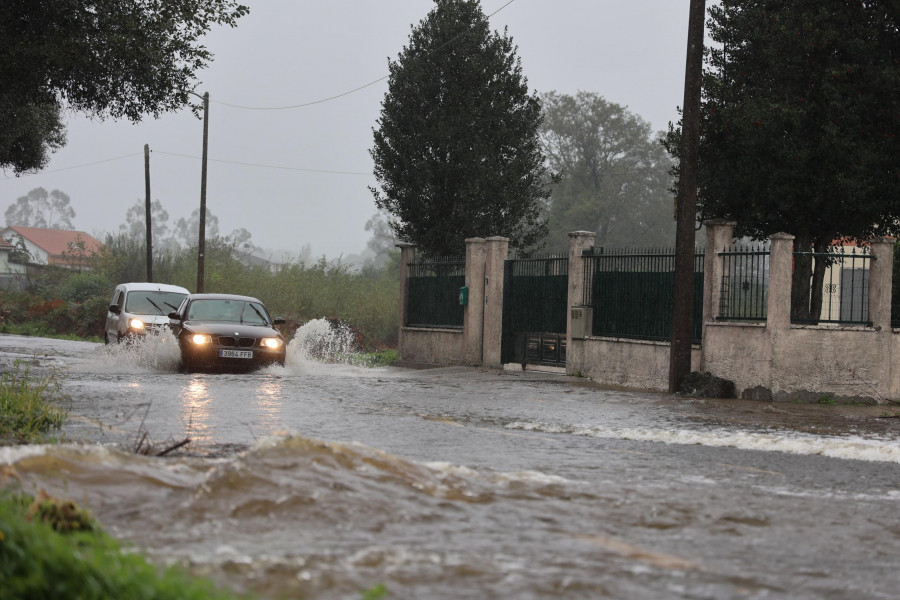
point(473, 315)
point(719, 235)
point(407, 256)
point(881, 277)
point(781, 262)
point(579, 241)
point(492, 329)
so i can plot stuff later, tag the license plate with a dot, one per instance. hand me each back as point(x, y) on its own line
point(236, 353)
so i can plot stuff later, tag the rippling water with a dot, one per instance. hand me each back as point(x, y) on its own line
point(321, 480)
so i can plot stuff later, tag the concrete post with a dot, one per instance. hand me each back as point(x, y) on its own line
point(881, 276)
point(407, 256)
point(579, 241)
point(781, 263)
point(719, 236)
point(492, 329)
point(473, 321)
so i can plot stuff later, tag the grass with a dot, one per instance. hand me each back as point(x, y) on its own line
point(53, 549)
point(28, 409)
point(41, 330)
point(381, 358)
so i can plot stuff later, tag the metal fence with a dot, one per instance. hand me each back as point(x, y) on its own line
point(745, 283)
point(845, 287)
point(631, 292)
point(432, 293)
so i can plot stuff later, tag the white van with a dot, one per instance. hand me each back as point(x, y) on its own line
point(140, 308)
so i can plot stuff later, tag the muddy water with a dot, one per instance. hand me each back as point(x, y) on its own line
point(321, 480)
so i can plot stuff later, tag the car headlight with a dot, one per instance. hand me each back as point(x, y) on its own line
point(199, 338)
point(136, 324)
point(271, 342)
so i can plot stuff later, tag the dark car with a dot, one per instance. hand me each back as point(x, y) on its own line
point(225, 332)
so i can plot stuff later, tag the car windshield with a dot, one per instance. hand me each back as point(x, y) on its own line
point(152, 302)
point(229, 311)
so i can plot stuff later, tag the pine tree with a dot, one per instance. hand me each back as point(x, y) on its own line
point(456, 151)
point(800, 122)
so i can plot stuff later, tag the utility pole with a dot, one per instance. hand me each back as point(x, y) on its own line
point(147, 220)
point(686, 212)
point(201, 247)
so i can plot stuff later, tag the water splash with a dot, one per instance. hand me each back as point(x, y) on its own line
point(323, 340)
point(153, 353)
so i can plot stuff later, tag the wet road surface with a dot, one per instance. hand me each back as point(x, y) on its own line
point(321, 480)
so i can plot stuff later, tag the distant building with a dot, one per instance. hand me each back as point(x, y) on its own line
point(12, 275)
point(58, 247)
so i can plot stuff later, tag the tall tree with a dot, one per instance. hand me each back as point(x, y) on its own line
point(40, 209)
point(614, 173)
point(187, 231)
point(800, 122)
point(383, 242)
point(135, 221)
point(105, 58)
point(456, 150)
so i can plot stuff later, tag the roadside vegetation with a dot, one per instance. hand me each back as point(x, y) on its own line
point(63, 302)
point(51, 548)
point(28, 408)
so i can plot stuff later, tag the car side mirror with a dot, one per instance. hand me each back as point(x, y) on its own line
point(279, 320)
point(114, 308)
point(175, 316)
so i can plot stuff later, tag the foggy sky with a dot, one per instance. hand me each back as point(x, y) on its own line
point(313, 163)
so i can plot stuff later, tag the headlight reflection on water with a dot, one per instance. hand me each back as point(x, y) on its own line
point(195, 399)
point(269, 395)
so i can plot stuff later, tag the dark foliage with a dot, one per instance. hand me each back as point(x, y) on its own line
point(105, 58)
point(800, 123)
point(456, 149)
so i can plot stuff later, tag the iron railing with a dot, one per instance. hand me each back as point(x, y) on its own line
point(432, 293)
point(631, 292)
point(745, 283)
point(845, 288)
point(539, 288)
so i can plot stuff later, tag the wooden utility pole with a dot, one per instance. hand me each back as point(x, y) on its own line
point(686, 213)
point(147, 220)
point(201, 247)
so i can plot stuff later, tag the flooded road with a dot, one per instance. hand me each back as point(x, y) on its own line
point(321, 480)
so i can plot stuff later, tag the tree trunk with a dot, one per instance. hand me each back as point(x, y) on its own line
point(801, 278)
point(808, 278)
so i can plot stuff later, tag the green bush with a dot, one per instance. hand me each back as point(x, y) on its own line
point(84, 286)
point(45, 556)
point(27, 405)
point(61, 301)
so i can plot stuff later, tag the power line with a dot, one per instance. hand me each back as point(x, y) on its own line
point(246, 164)
point(347, 93)
point(90, 164)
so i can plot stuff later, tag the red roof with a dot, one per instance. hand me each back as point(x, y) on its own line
point(56, 241)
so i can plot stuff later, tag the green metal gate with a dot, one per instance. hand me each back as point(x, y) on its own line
point(535, 306)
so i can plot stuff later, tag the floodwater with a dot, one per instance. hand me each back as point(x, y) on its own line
point(322, 480)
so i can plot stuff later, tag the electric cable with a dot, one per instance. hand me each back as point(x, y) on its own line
point(347, 93)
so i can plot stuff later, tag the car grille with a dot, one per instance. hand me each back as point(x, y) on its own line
point(241, 342)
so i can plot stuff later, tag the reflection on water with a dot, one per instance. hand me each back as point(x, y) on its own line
point(195, 404)
point(268, 402)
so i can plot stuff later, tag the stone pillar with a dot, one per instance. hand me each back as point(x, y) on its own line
point(781, 264)
point(579, 241)
point(473, 321)
point(719, 236)
point(407, 256)
point(492, 329)
point(881, 277)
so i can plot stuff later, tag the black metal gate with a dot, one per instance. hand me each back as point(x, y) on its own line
point(535, 306)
